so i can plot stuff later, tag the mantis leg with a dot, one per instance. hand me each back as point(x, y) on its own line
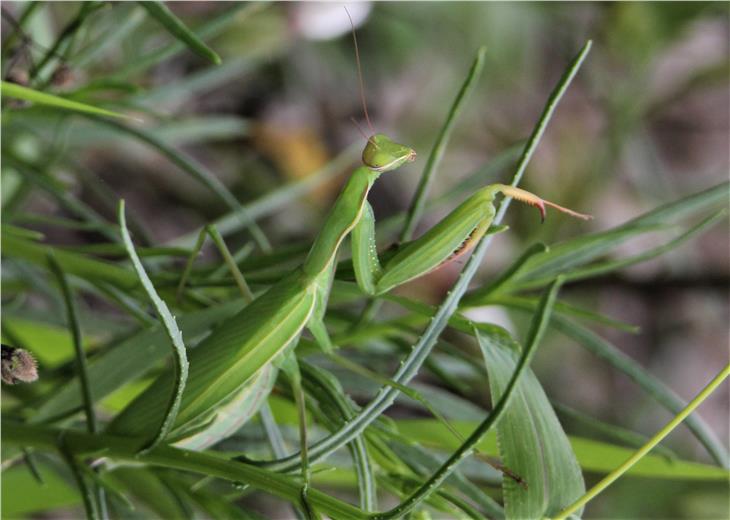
point(451, 237)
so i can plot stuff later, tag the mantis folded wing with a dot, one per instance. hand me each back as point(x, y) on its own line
point(228, 364)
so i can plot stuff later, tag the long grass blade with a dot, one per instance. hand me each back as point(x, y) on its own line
point(15, 91)
point(415, 211)
point(661, 434)
point(126, 449)
point(179, 30)
point(173, 333)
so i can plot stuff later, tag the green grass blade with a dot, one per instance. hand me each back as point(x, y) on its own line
point(174, 26)
point(126, 450)
point(198, 172)
point(15, 91)
point(437, 152)
point(230, 262)
point(75, 328)
point(537, 330)
point(87, 496)
point(72, 263)
point(116, 365)
point(173, 332)
point(641, 453)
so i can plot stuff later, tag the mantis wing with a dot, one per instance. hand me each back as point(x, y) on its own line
point(225, 360)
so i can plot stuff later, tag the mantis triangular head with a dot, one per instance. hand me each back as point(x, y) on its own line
point(382, 154)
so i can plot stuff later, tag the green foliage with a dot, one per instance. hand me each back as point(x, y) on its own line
point(168, 443)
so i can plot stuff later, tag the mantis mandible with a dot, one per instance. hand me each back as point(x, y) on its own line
point(233, 369)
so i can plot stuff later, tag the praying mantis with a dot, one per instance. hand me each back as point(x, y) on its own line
point(241, 350)
point(233, 369)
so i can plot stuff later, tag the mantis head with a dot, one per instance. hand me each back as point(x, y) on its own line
point(381, 154)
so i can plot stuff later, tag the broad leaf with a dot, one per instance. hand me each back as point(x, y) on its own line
point(532, 443)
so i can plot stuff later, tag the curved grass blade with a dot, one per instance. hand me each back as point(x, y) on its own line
point(638, 455)
point(15, 91)
point(198, 172)
point(173, 333)
point(174, 26)
point(130, 359)
point(327, 388)
point(537, 329)
point(415, 211)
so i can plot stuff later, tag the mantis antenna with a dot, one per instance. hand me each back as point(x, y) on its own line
point(359, 73)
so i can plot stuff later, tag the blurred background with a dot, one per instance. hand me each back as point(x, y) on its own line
point(647, 121)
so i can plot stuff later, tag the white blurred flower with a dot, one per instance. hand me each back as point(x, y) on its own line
point(327, 20)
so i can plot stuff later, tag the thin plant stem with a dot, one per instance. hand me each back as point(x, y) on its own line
point(231, 262)
point(646, 448)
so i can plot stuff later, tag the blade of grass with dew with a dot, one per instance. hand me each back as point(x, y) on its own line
point(160, 12)
point(130, 359)
point(198, 172)
point(532, 444)
point(15, 91)
point(641, 453)
point(537, 329)
point(173, 332)
point(409, 368)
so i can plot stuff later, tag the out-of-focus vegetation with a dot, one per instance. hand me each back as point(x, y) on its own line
point(640, 326)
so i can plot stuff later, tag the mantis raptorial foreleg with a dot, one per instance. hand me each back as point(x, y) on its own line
point(451, 237)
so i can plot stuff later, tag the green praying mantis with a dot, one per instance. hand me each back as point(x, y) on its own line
point(241, 350)
point(233, 369)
